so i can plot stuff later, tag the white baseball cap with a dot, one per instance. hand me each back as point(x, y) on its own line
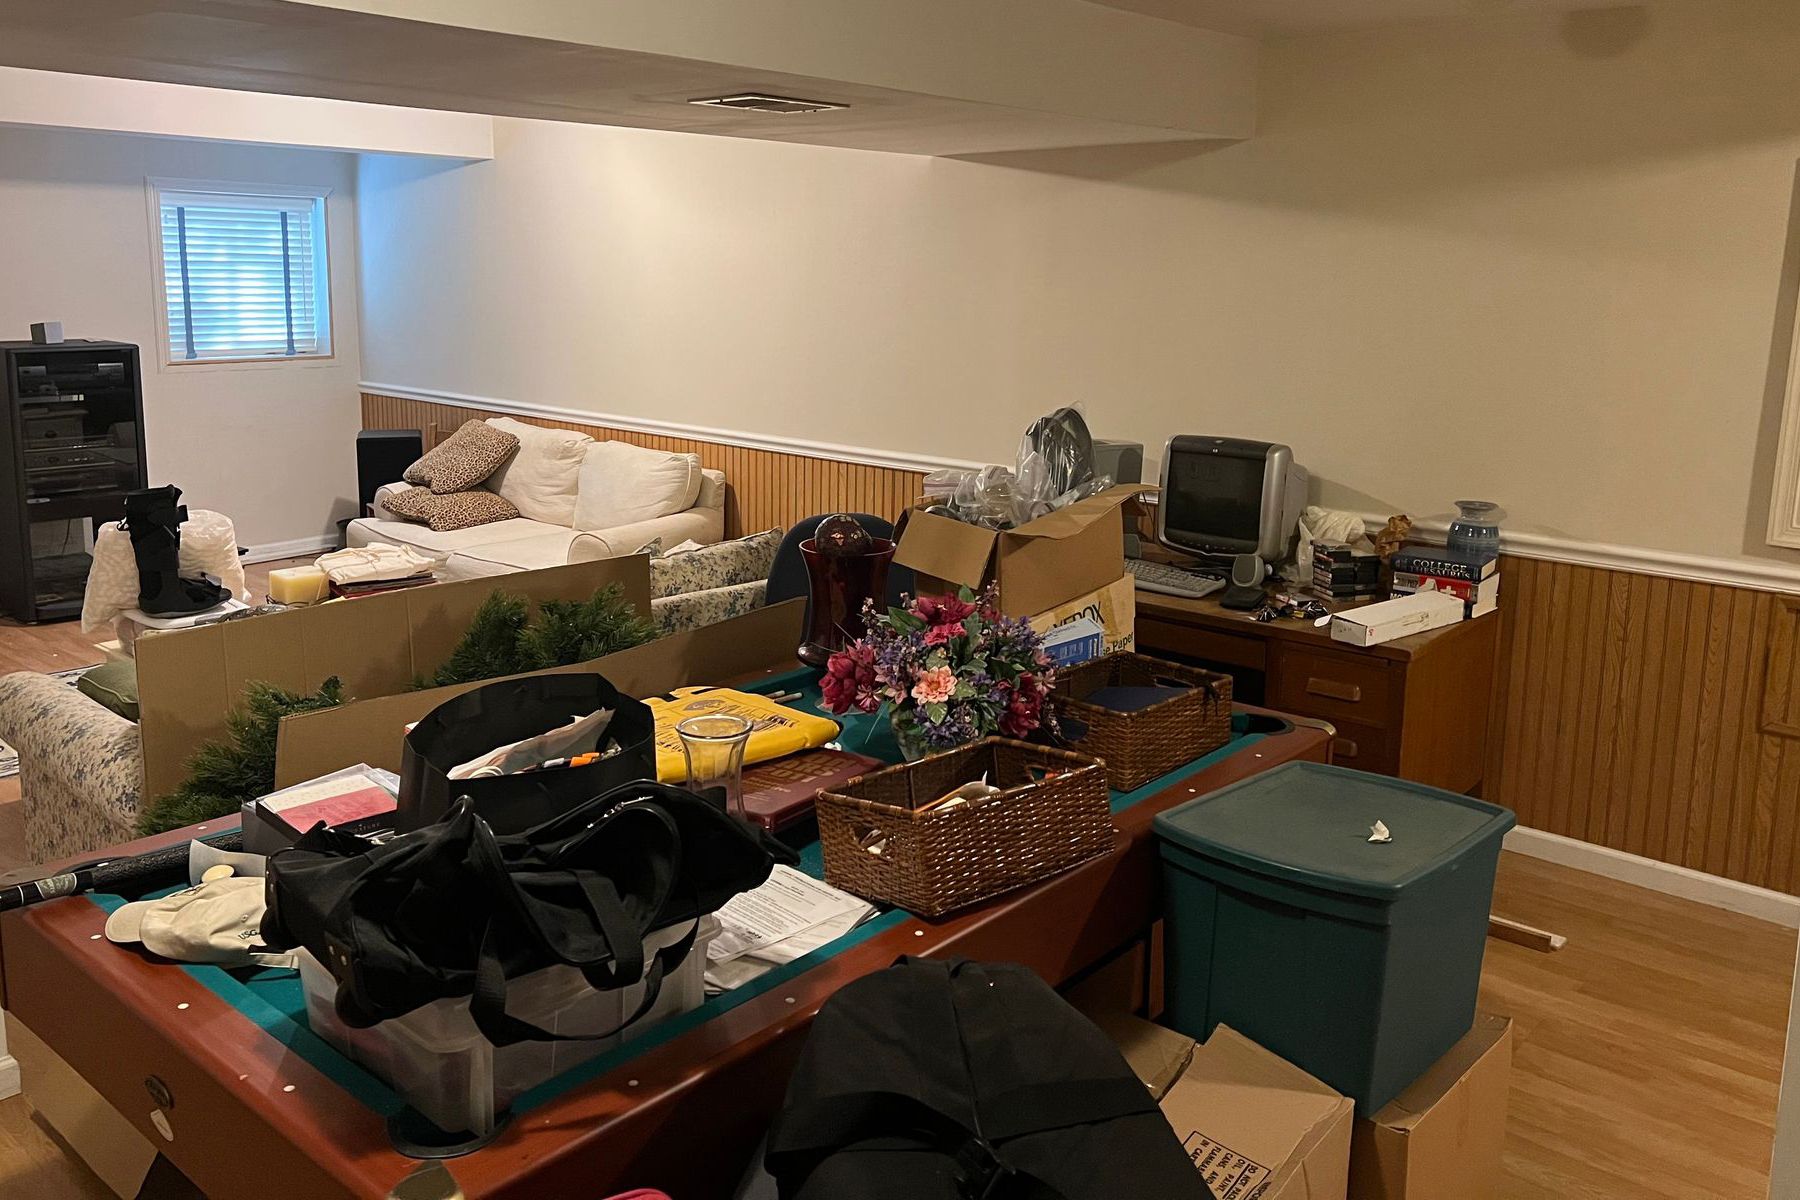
point(214, 922)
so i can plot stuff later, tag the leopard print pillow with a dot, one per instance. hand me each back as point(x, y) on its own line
point(458, 510)
point(464, 459)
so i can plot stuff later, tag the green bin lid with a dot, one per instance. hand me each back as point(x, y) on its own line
point(1309, 823)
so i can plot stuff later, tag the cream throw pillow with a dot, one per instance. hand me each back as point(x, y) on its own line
point(541, 477)
point(622, 484)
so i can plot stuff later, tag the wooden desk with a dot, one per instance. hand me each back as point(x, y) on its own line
point(1416, 707)
point(249, 1117)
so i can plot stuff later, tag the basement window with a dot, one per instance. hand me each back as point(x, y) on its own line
point(243, 273)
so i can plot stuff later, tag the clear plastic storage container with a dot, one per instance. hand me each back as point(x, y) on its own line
point(437, 1060)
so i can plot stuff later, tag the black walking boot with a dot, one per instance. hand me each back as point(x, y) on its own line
point(153, 518)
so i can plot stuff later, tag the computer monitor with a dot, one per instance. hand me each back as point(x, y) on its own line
point(1229, 496)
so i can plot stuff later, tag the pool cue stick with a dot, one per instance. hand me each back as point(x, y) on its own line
point(168, 865)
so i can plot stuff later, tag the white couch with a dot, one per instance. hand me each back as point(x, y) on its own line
point(614, 496)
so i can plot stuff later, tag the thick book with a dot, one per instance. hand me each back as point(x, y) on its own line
point(1435, 562)
point(780, 793)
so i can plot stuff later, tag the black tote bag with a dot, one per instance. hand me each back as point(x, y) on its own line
point(455, 909)
point(467, 726)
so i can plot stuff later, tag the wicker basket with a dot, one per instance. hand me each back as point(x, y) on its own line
point(1143, 745)
point(1051, 814)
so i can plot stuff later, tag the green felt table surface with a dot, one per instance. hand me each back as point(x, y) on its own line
point(275, 1002)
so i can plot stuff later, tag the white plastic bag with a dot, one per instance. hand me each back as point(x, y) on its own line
point(208, 547)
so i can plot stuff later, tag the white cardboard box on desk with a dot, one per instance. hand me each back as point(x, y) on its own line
point(1372, 624)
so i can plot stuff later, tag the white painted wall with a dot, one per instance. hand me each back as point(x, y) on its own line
point(1534, 258)
point(271, 445)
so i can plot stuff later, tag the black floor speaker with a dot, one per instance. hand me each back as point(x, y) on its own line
point(381, 456)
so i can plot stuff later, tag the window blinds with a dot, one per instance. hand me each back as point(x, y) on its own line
point(244, 276)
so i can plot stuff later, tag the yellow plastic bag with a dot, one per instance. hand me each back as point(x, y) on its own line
point(776, 729)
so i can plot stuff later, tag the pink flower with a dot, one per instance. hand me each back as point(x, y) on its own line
point(938, 635)
point(849, 680)
point(943, 610)
point(934, 686)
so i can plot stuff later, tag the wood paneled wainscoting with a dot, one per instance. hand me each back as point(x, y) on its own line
point(1653, 715)
point(767, 487)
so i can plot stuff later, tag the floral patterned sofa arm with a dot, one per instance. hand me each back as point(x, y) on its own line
point(80, 767)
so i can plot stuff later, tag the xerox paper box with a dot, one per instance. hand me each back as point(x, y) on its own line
point(1037, 566)
point(1258, 1127)
point(1113, 608)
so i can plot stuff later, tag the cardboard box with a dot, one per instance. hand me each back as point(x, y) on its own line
point(1113, 607)
point(1258, 1127)
point(1038, 566)
point(370, 731)
point(190, 680)
point(1441, 1139)
point(1373, 624)
point(1158, 1056)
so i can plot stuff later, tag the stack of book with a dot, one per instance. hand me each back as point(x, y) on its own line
point(375, 587)
point(1429, 568)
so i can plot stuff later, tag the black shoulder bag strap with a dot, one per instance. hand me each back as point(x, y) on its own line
point(623, 935)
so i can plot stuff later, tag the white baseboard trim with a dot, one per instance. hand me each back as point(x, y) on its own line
point(270, 551)
point(9, 1076)
point(896, 459)
point(1776, 907)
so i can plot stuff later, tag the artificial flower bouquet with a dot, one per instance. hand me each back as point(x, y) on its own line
point(952, 669)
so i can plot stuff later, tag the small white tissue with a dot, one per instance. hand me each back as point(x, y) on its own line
point(1378, 832)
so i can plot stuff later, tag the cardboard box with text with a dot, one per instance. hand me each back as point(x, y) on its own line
point(1113, 607)
point(1258, 1127)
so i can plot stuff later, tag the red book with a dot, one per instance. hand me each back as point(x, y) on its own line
point(781, 792)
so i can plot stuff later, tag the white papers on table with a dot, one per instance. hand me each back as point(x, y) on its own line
point(789, 916)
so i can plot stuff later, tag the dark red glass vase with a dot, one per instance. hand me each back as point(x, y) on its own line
point(840, 584)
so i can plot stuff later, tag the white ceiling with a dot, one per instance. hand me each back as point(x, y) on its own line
point(1279, 18)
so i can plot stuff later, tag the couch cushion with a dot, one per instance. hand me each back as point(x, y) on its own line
point(451, 511)
point(726, 564)
point(112, 685)
point(522, 554)
point(622, 484)
point(542, 476)
point(364, 530)
point(463, 459)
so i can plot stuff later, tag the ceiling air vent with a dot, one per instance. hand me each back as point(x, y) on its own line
point(758, 102)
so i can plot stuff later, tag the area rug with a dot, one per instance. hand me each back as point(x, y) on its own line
point(9, 757)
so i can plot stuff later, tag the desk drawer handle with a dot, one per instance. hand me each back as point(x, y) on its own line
point(1343, 748)
point(1332, 689)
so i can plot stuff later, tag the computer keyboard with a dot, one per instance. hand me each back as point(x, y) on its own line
point(1172, 581)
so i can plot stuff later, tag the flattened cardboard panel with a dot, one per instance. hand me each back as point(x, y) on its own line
point(188, 681)
point(370, 731)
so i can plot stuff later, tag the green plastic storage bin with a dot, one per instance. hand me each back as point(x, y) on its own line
point(1357, 961)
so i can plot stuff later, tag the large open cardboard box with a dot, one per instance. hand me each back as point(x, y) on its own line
point(1038, 566)
point(190, 680)
point(371, 731)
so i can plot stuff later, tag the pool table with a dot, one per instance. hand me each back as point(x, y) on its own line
point(254, 1106)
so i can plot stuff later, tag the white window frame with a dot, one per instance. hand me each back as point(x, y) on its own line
point(155, 187)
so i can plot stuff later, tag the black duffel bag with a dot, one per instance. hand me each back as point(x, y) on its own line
point(467, 726)
point(938, 1080)
point(455, 909)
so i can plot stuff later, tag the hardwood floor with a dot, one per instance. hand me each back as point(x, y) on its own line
point(1647, 1053)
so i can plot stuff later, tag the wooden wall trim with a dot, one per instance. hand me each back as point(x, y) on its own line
point(765, 488)
point(1629, 711)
